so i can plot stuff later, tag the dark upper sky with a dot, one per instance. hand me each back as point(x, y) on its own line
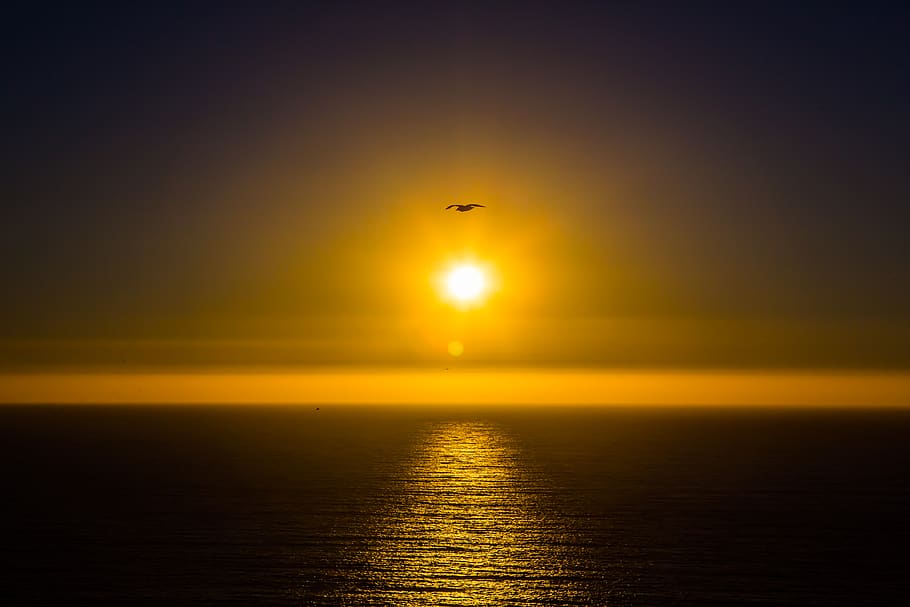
point(182, 173)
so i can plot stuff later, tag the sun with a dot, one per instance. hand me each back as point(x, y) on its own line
point(466, 283)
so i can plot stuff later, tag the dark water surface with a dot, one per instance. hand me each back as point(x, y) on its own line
point(455, 506)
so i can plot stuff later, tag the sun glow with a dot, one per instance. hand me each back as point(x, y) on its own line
point(466, 283)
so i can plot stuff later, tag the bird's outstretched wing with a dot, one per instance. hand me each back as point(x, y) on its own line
point(474, 204)
point(451, 206)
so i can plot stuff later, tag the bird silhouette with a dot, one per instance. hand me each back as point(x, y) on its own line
point(461, 208)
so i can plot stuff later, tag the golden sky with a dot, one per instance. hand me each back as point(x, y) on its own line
point(196, 193)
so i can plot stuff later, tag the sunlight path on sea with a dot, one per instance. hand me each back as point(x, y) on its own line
point(470, 525)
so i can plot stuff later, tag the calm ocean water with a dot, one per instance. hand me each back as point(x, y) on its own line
point(455, 506)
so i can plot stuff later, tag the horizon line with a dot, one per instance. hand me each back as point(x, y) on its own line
point(434, 386)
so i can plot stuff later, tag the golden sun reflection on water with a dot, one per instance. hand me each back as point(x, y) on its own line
point(469, 528)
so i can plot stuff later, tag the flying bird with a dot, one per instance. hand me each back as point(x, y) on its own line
point(461, 208)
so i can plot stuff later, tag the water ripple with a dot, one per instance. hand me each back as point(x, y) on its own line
point(467, 525)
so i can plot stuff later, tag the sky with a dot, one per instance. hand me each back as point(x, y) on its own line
point(666, 185)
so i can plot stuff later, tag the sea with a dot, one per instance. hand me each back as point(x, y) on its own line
point(454, 506)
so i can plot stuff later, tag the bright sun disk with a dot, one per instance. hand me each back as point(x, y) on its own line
point(466, 283)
